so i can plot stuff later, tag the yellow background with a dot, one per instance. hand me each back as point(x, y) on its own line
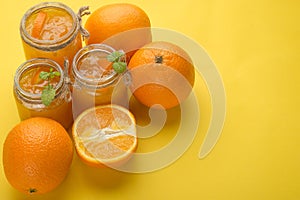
point(256, 46)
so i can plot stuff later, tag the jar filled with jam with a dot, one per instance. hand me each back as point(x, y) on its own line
point(94, 81)
point(38, 77)
point(52, 30)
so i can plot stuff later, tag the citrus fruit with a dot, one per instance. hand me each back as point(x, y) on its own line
point(37, 155)
point(105, 135)
point(162, 73)
point(121, 25)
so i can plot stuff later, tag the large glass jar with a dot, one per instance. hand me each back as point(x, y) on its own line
point(51, 30)
point(94, 81)
point(28, 87)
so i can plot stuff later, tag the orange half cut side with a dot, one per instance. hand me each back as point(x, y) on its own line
point(105, 135)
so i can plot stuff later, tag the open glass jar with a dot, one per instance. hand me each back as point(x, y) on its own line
point(52, 30)
point(28, 88)
point(94, 82)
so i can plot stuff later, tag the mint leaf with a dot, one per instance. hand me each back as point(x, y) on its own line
point(117, 58)
point(111, 58)
point(118, 54)
point(44, 75)
point(48, 95)
point(53, 74)
point(119, 67)
point(48, 92)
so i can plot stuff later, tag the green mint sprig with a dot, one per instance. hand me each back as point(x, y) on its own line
point(48, 92)
point(116, 58)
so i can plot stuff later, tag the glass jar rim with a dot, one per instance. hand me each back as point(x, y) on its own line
point(49, 44)
point(93, 82)
point(32, 63)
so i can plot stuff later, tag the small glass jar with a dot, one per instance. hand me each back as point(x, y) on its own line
point(28, 88)
point(52, 30)
point(94, 82)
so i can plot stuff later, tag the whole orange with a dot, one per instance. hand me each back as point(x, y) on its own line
point(162, 73)
point(37, 155)
point(121, 25)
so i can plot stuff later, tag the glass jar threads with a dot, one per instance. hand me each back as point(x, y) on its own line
point(29, 86)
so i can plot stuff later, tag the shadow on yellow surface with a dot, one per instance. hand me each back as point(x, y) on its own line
point(99, 178)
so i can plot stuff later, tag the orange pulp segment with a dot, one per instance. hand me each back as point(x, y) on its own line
point(105, 135)
point(38, 24)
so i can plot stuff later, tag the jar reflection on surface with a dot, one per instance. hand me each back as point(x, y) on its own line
point(29, 104)
point(94, 81)
point(59, 36)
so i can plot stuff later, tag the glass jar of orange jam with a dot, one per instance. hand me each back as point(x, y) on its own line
point(28, 87)
point(51, 30)
point(94, 82)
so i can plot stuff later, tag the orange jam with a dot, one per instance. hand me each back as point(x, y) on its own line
point(31, 82)
point(48, 24)
point(51, 30)
point(28, 87)
point(94, 80)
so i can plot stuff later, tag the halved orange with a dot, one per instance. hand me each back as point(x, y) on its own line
point(105, 135)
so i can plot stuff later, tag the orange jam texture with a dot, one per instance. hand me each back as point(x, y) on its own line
point(49, 24)
point(31, 82)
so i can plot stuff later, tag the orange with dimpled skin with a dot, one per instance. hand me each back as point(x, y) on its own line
point(37, 155)
point(162, 73)
point(123, 26)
